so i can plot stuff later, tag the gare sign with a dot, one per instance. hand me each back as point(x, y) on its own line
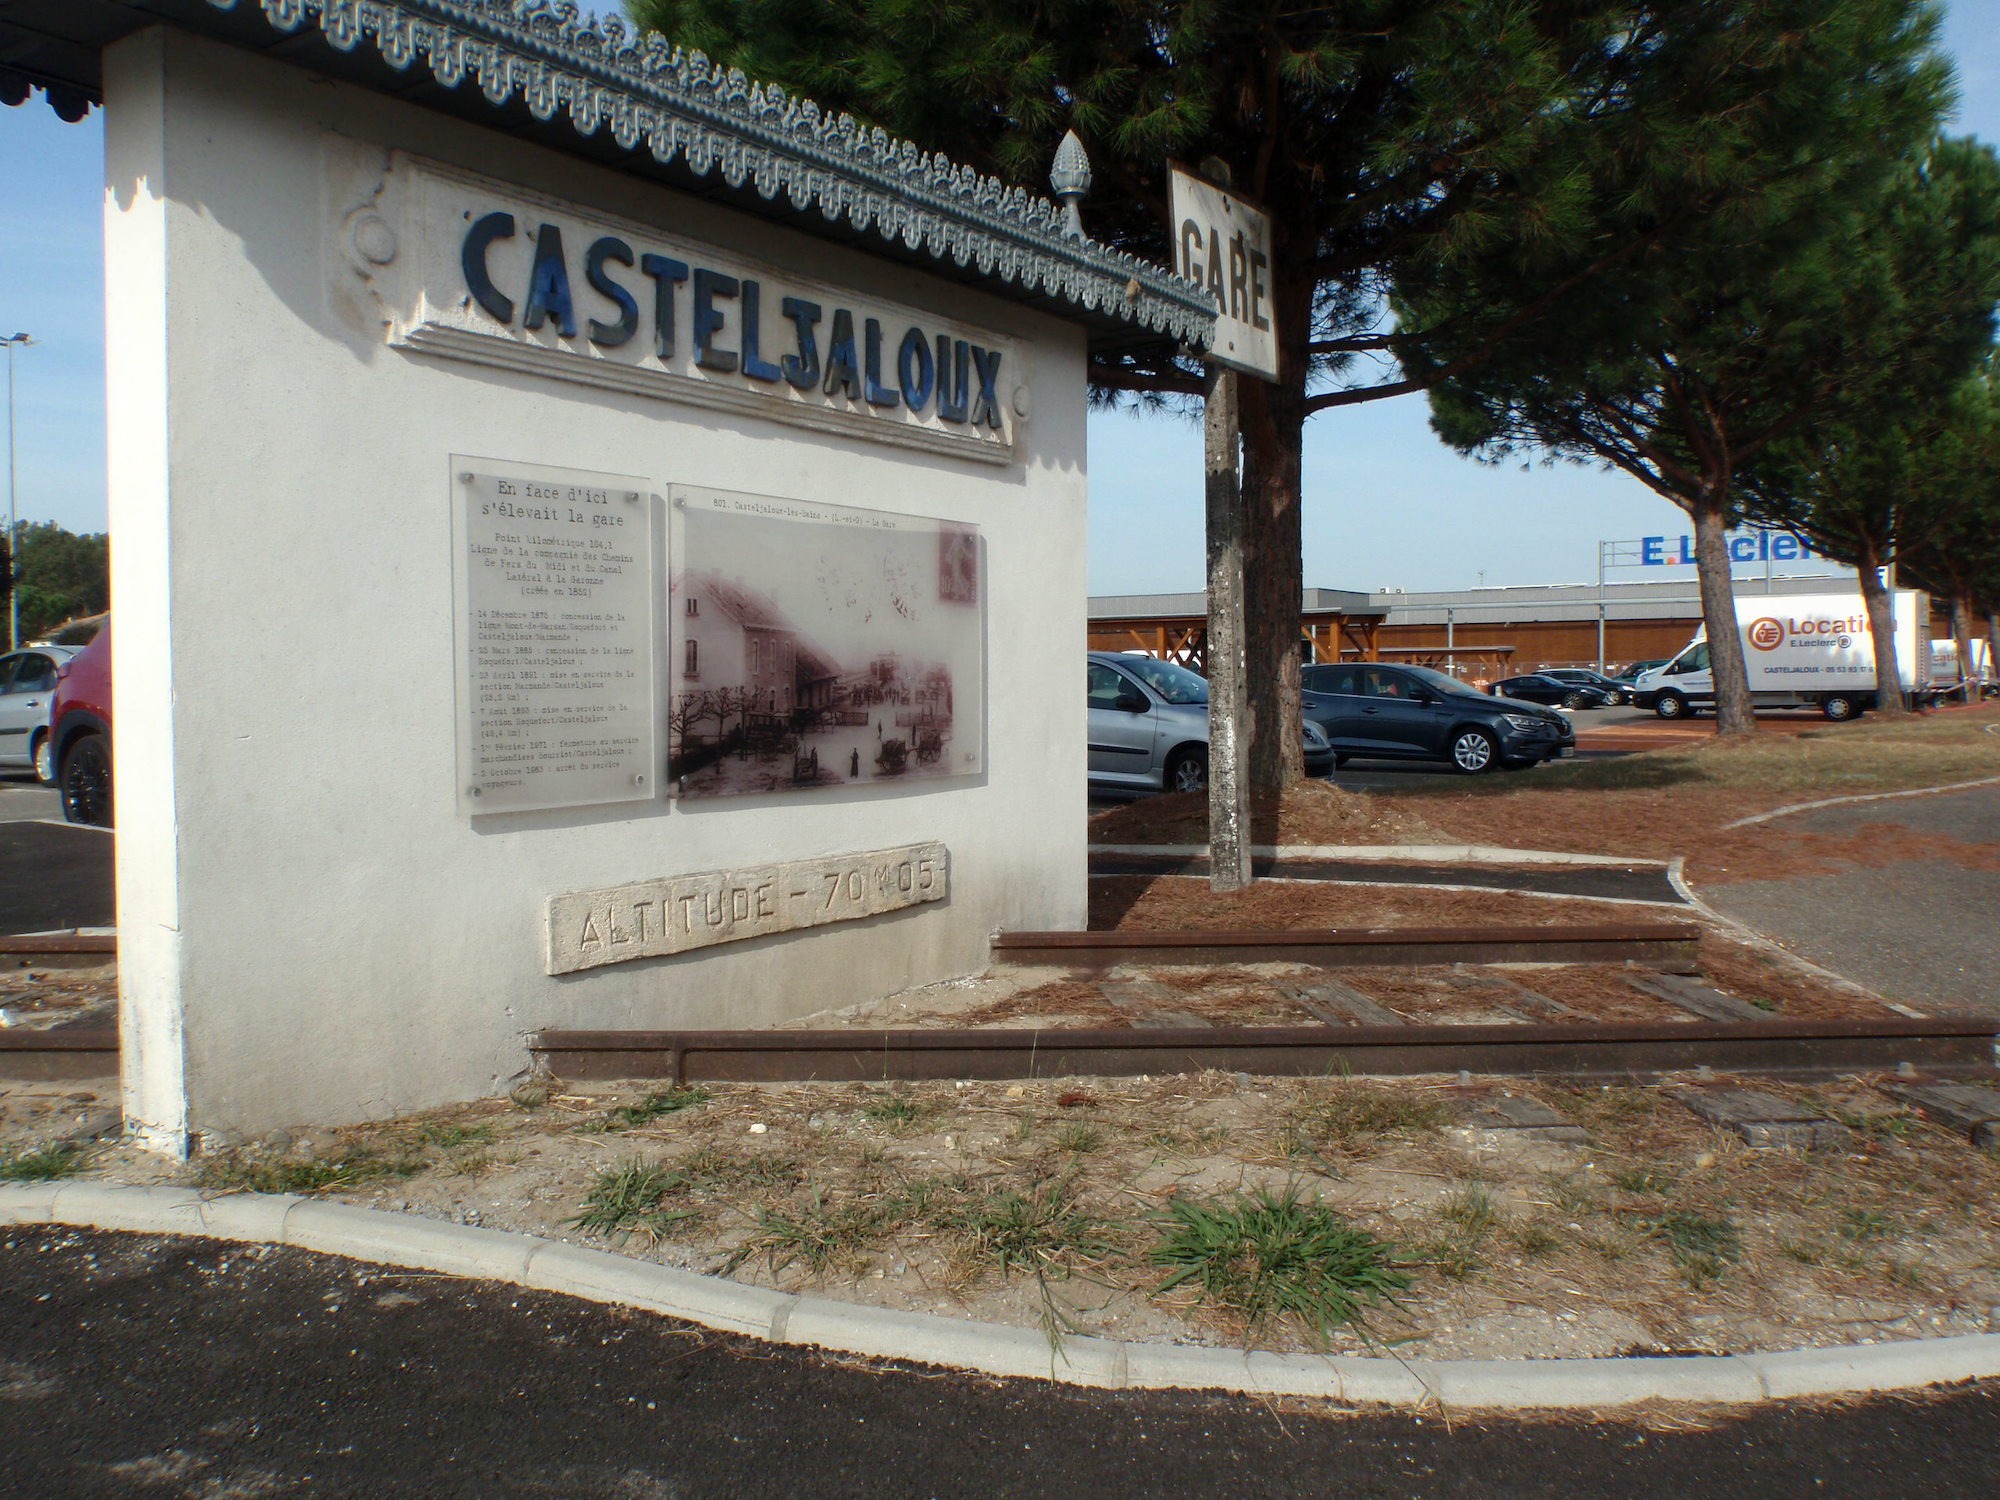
point(1224, 244)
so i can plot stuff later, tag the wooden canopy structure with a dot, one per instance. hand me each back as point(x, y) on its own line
point(1334, 624)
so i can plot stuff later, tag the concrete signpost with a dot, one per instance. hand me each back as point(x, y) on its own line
point(564, 496)
point(1224, 244)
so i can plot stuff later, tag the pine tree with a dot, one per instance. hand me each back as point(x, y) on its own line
point(1700, 354)
point(1564, 138)
point(1957, 474)
point(1867, 474)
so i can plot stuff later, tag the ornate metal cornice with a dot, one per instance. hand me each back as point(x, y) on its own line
point(649, 94)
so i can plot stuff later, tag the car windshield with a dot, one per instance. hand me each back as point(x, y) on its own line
point(1444, 682)
point(1174, 683)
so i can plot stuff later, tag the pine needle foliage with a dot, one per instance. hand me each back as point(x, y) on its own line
point(1553, 145)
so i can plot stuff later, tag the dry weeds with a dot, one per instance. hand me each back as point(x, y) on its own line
point(1041, 1204)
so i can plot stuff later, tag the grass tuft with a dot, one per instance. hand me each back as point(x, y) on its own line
point(1042, 1230)
point(447, 1137)
point(64, 1159)
point(896, 1111)
point(1644, 1179)
point(1864, 1224)
point(1079, 1137)
point(1352, 1116)
point(815, 1235)
point(625, 1200)
point(1273, 1256)
point(236, 1174)
point(1466, 1216)
point(652, 1107)
point(1537, 1240)
point(1701, 1246)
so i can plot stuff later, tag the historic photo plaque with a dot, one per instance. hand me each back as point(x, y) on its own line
point(653, 918)
point(555, 638)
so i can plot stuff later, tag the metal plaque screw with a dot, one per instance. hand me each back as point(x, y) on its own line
point(631, 496)
point(472, 791)
point(465, 479)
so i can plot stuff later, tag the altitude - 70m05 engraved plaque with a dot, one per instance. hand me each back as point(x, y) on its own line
point(653, 918)
point(555, 639)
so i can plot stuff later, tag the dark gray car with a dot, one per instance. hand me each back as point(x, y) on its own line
point(1372, 711)
point(1149, 726)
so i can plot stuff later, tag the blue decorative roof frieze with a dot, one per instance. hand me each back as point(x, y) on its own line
point(646, 92)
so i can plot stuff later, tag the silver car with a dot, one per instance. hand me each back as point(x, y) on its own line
point(27, 686)
point(1149, 726)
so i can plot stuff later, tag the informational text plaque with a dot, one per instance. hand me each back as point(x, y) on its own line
point(555, 639)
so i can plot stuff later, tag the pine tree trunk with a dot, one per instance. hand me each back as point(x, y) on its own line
point(1733, 713)
point(1961, 632)
point(1273, 567)
point(1993, 646)
point(1889, 698)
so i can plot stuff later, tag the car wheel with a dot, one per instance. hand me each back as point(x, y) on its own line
point(1671, 706)
point(86, 782)
point(1574, 700)
point(1614, 700)
point(45, 761)
point(1840, 707)
point(1472, 751)
point(1188, 770)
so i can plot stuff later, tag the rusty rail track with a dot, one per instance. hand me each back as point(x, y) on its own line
point(1775, 1048)
point(1662, 945)
point(40, 1056)
point(33, 944)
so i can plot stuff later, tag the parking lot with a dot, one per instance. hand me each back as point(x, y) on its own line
point(1599, 732)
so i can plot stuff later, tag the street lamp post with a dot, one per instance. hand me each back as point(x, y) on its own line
point(13, 516)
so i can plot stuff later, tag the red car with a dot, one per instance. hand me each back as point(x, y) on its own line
point(80, 733)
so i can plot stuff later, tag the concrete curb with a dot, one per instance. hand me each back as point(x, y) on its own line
point(930, 1338)
point(1922, 791)
point(1446, 885)
point(1441, 854)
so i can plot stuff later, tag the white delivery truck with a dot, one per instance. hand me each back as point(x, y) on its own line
point(1947, 671)
point(1801, 651)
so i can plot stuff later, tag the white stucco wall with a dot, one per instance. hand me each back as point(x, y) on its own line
point(311, 927)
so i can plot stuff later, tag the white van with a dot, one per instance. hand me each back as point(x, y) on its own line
point(1946, 668)
point(1801, 651)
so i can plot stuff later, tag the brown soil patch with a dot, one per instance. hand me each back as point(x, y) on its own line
point(1644, 822)
point(1184, 902)
point(1073, 1001)
point(1312, 812)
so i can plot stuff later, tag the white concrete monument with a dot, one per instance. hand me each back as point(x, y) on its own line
point(422, 315)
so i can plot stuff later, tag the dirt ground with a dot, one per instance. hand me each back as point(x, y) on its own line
point(1047, 1204)
point(1071, 1205)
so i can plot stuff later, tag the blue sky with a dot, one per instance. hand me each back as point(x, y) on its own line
point(1386, 504)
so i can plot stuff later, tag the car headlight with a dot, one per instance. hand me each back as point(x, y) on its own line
point(1315, 736)
point(1526, 721)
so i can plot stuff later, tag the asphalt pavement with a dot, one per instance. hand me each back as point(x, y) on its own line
point(23, 798)
point(1920, 932)
point(158, 1367)
point(53, 875)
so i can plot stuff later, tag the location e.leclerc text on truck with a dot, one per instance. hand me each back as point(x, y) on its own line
point(1801, 651)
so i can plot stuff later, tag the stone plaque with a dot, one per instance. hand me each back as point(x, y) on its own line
point(651, 918)
point(555, 639)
